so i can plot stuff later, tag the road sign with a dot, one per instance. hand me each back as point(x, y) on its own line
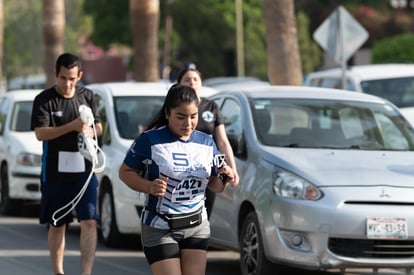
point(340, 35)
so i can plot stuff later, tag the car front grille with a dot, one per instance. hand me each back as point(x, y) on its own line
point(372, 248)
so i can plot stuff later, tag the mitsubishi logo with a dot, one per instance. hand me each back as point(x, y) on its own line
point(384, 194)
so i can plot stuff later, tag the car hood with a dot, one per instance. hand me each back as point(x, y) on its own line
point(325, 167)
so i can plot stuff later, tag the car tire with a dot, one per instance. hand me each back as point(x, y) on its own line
point(252, 257)
point(7, 205)
point(108, 226)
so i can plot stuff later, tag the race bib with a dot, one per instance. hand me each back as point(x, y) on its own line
point(70, 162)
point(189, 191)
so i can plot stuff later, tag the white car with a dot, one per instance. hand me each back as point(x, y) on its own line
point(125, 109)
point(20, 151)
point(394, 82)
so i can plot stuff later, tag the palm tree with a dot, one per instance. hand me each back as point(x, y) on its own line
point(283, 58)
point(53, 35)
point(144, 22)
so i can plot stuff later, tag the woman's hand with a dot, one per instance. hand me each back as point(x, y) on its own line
point(159, 187)
point(228, 174)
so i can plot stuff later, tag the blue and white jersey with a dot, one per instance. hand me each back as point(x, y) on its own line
point(187, 164)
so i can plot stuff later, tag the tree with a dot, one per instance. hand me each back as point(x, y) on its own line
point(144, 16)
point(283, 58)
point(53, 35)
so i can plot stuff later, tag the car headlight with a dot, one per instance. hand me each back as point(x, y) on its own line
point(288, 185)
point(29, 159)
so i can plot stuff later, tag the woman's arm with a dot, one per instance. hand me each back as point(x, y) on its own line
point(133, 180)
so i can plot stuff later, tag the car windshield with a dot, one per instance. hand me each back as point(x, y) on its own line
point(21, 117)
point(315, 123)
point(399, 91)
point(132, 113)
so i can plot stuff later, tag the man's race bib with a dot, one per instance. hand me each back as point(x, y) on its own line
point(70, 162)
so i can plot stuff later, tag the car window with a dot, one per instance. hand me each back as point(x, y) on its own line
point(21, 116)
point(105, 138)
point(399, 91)
point(4, 108)
point(232, 117)
point(325, 123)
point(331, 82)
point(392, 136)
point(133, 113)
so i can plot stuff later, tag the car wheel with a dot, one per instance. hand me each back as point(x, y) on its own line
point(7, 205)
point(108, 227)
point(253, 261)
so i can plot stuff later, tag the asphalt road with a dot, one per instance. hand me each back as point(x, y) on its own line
point(23, 251)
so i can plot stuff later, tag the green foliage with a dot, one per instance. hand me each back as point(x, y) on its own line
point(254, 39)
point(207, 36)
point(22, 44)
point(394, 49)
point(78, 25)
point(111, 22)
point(23, 37)
point(309, 50)
point(204, 32)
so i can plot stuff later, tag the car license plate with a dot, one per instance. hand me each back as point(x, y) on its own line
point(387, 228)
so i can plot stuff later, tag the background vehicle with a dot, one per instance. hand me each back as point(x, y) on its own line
point(20, 151)
point(225, 80)
point(36, 81)
point(394, 82)
point(325, 180)
point(125, 109)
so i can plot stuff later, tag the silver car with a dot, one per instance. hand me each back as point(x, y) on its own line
point(326, 180)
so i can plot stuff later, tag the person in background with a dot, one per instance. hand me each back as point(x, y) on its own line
point(210, 121)
point(56, 122)
point(173, 164)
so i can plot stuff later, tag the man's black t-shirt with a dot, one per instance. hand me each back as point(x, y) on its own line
point(61, 160)
point(209, 116)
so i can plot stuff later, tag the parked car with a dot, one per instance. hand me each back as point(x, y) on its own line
point(33, 81)
point(20, 151)
point(326, 180)
point(394, 82)
point(125, 109)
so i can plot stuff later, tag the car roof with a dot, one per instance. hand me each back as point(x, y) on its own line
point(215, 81)
point(369, 72)
point(305, 92)
point(207, 91)
point(22, 94)
point(142, 88)
point(254, 83)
